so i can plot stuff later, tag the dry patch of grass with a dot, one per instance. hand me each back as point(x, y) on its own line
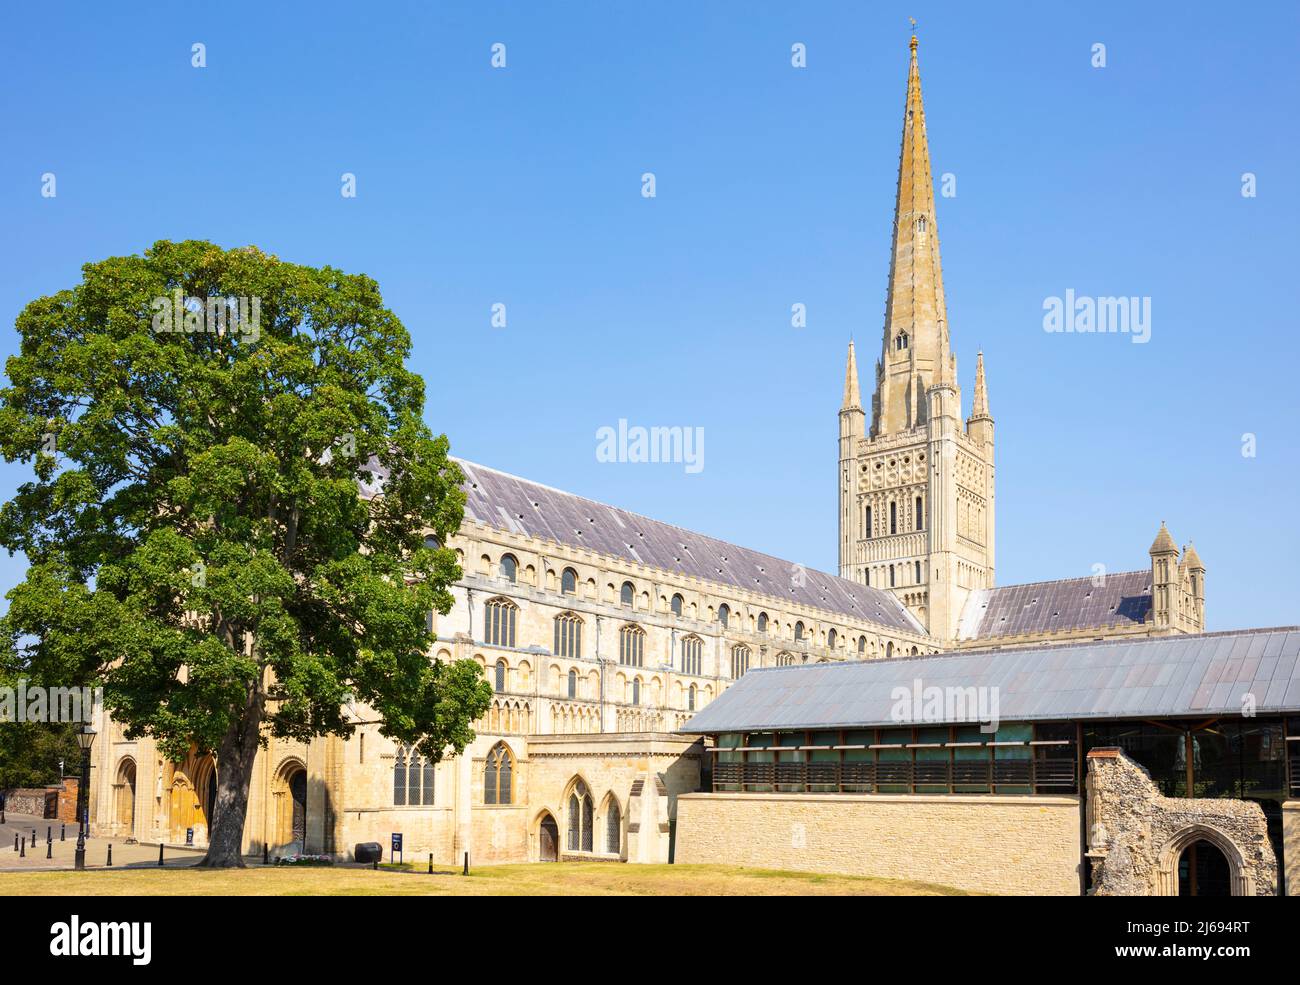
point(563, 879)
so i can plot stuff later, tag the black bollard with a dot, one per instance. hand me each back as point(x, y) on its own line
point(49, 833)
point(466, 872)
point(266, 854)
point(22, 850)
point(110, 855)
point(431, 863)
point(160, 850)
point(49, 849)
point(63, 832)
point(33, 837)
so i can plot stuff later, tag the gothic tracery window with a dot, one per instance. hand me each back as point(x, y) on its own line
point(412, 778)
point(692, 649)
point(580, 818)
point(568, 635)
point(613, 828)
point(631, 646)
point(499, 617)
point(739, 661)
point(498, 773)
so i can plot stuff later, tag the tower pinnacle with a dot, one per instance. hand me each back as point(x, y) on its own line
point(852, 395)
point(980, 402)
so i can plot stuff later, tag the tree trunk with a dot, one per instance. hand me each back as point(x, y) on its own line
point(234, 776)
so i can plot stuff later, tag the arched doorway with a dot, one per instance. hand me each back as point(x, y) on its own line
point(1203, 870)
point(124, 794)
point(1201, 860)
point(193, 795)
point(548, 840)
point(290, 793)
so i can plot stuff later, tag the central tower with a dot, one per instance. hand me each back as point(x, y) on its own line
point(916, 489)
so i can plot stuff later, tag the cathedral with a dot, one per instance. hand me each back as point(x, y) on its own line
point(605, 633)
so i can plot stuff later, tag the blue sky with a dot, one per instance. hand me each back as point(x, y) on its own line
point(775, 186)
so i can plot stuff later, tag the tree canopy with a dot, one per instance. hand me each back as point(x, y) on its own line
point(200, 421)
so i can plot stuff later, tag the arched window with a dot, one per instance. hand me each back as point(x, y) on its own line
point(568, 635)
point(569, 582)
point(891, 576)
point(499, 622)
point(631, 646)
point(831, 639)
point(573, 683)
point(399, 777)
point(636, 690)
point(509, 567)
point(889, 649)
point(692, 649)
point(918, 572)
point(798, 630)
point(866, 573)
point(868, 522)
point(690, 698)
point(412, 778)
point(920, 225)
point(580, 818)
point(739, 661)
point(499, 677)
point(627, 594)
point(497, 773)
point(676, 605)
point(920, 514)
point(724, 614)
point(613, 828)
point(862, 645)
point(785, 659)
point(893, 518)
point(762, 622)
point(431, 542)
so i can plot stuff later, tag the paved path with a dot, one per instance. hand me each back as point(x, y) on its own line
point(124, 855)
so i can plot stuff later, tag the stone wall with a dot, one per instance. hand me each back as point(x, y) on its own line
point(1136, 835)
point(1291, 845)
point(57, 802)
point(1026, 845)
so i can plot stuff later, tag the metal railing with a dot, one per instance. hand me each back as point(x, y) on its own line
point(902, 776)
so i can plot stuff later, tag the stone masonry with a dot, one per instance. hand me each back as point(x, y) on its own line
point(1136, 835)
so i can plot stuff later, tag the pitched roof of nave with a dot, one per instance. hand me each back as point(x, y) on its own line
point(1042, 607)
point(509, 502)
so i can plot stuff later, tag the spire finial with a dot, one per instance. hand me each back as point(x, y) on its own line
point(913, 22)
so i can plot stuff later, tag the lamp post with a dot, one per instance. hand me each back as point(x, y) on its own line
point(85, 739)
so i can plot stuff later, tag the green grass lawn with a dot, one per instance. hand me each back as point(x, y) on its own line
point(563, 879)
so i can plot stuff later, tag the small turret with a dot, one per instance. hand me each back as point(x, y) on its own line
point(1194, 569)
point(980, 423)
point(1164, 579)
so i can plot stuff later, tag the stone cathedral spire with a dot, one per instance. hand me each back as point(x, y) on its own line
point(916, 487)
point(915, 350)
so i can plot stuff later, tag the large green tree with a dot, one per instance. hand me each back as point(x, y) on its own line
point(196, 538)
